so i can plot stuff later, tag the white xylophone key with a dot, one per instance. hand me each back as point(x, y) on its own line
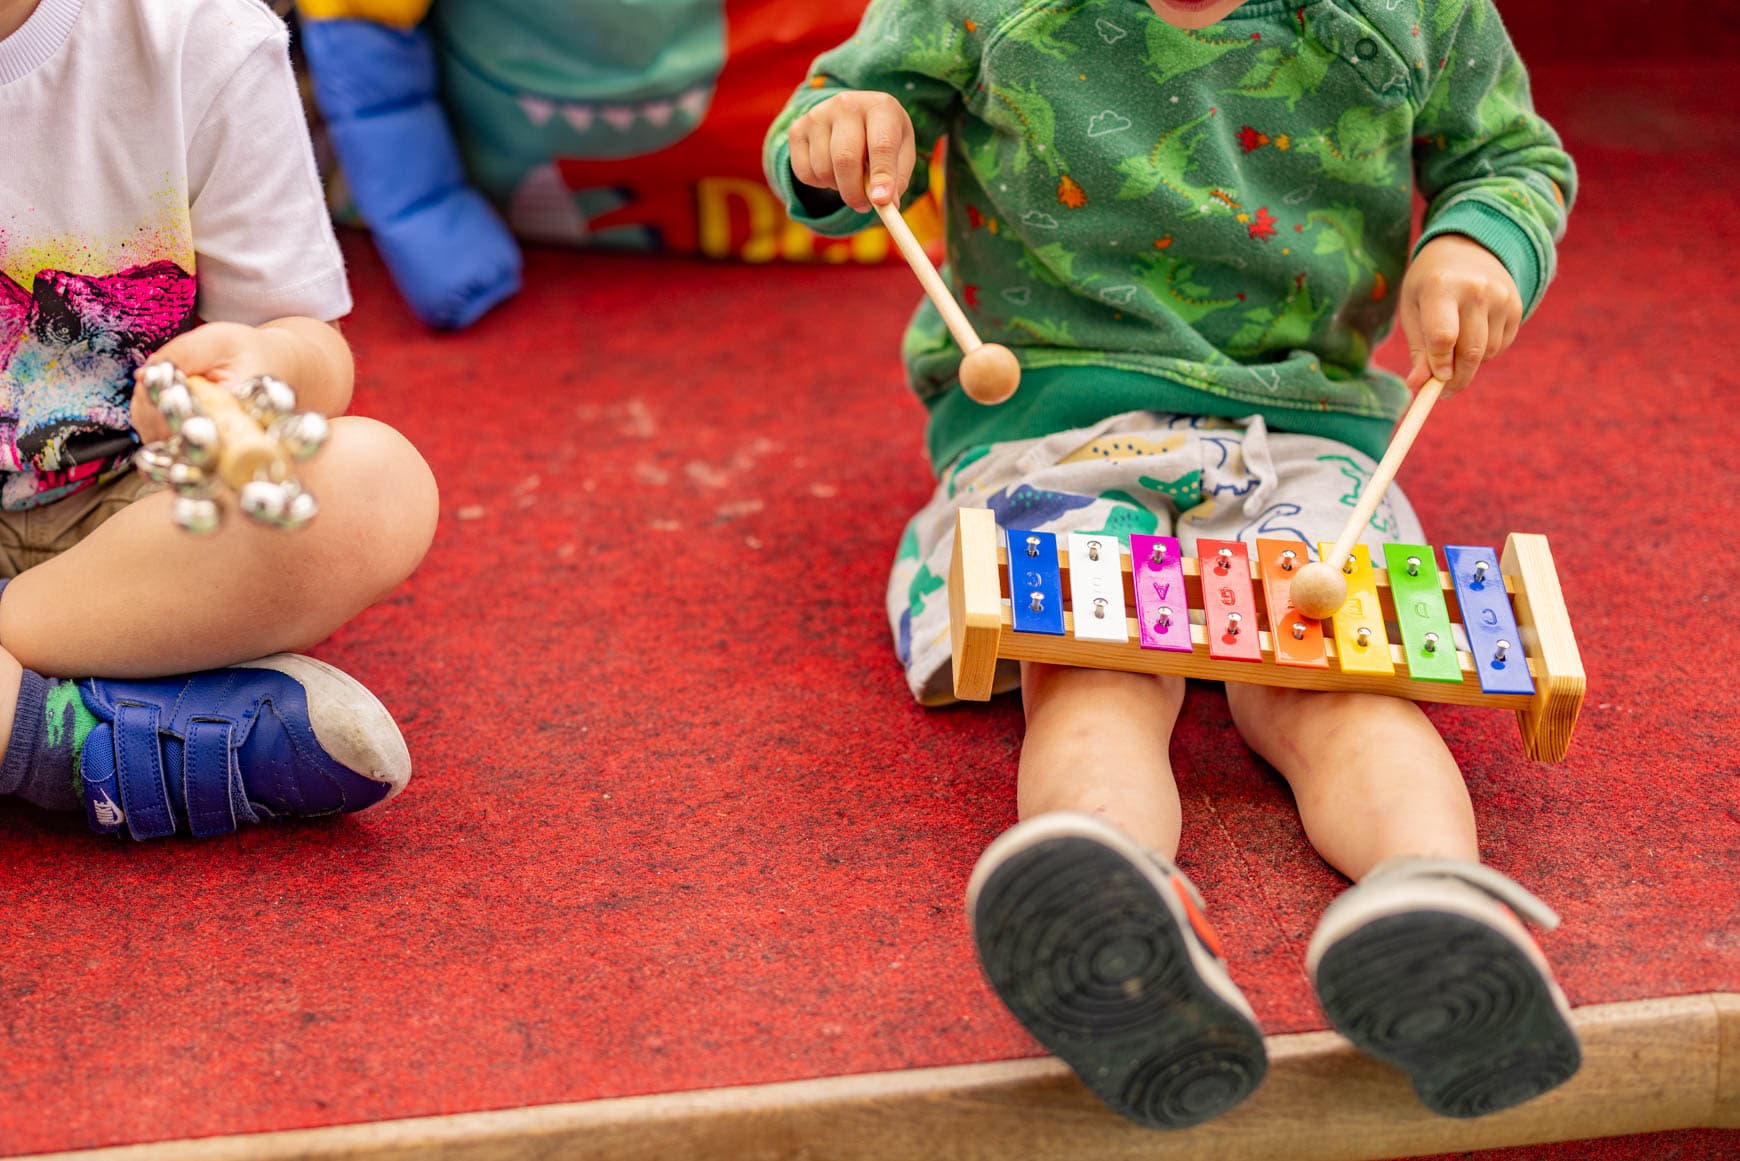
point(1096, 587)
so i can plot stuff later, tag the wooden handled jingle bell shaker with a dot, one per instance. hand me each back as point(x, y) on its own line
point(245, 438)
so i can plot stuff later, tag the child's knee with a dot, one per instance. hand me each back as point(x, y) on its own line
point(382, 486)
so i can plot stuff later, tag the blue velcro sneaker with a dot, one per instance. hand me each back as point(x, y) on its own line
point(282, 737)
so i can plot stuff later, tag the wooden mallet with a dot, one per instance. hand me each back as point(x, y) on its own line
point(1320, 589)
point(989, 373)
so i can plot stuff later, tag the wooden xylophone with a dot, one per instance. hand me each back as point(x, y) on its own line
point(1485, 630)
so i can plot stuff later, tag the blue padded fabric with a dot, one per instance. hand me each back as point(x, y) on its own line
point(448, 251)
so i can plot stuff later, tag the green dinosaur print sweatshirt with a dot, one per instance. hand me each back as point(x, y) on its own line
point(1212, 222)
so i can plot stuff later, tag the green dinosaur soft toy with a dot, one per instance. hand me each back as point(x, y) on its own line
point(631, 124)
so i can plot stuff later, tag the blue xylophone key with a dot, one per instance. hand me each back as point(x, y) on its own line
point(1488, 620)
point(1035, 584)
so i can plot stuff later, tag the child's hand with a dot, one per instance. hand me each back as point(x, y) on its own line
point(829, 145)
point(222, 352)
point(1460, 307)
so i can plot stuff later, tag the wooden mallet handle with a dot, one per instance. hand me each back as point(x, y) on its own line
point(244, 449)
point(989, 372)
point(913, 252)
point(1380, 481)
point(1320, 589)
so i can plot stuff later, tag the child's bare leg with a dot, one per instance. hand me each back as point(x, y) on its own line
point(1370, 774)
point(230, 735)
point(141, 598)
point(1424, 964)
point(1096, 945)
point(1097, 743)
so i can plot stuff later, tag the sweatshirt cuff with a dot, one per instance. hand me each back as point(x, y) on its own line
point(838, 224)
point(1501, 235)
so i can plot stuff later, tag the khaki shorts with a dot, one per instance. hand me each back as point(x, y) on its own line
point(33, 536)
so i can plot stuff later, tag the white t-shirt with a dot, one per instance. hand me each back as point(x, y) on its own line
point(155, 171)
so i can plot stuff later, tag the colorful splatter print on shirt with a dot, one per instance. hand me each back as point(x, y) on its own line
point(69, 343)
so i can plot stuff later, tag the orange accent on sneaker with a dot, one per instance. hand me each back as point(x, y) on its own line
point(1198, 921)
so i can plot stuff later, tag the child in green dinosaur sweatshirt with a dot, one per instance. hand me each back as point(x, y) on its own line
point(1190, 220)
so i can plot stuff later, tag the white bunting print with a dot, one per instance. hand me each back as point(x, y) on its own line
point(694, 103)
point(537, 110)
point(1019, 295)
point(578, 116)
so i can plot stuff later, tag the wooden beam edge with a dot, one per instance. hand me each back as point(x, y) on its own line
point(1727, 1006)
point(1649, 1066)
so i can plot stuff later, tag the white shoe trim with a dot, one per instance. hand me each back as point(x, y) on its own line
point(1398, 892)
point(350, 723)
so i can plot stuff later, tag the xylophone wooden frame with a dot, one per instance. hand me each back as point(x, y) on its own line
point(982, 633)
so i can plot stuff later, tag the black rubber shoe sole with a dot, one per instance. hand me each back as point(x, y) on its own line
point(1454, 1004)
point(1088, 956)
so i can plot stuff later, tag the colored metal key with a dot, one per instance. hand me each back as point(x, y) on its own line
point(1228, 603)
point(1035, 583)
point(1424, 619)
point(1096, 587)
point(1488, 620)
point(1162, 612)
point(1297, 640)
point(1361, 645)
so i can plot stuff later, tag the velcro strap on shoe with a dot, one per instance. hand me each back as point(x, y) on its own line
point(139, 772)
point(1484, 878)
point(207, 771)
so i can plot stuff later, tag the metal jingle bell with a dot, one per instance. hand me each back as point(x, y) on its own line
point(301, 510)
point(187, 479)
point(199, 440)
point(302, 434)
point(267, 398)
point(157, 377)
point(156, 460)
point(176, 403)
point(197, 515)
point(264, 502)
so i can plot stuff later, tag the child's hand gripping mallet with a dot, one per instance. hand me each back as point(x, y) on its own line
point(245, 437)
point(989, 373)
point(1320, 589)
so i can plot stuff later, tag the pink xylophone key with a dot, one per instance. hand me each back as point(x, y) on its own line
point(1162, 611)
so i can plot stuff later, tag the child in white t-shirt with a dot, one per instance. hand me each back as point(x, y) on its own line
point(158, 201)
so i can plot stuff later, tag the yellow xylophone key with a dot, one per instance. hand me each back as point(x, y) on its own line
point(1361, 645)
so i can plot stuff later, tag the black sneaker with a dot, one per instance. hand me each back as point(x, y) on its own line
point(1101, 950)
point(1425, 966)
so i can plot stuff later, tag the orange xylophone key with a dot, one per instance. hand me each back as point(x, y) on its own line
point(1298, 640)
